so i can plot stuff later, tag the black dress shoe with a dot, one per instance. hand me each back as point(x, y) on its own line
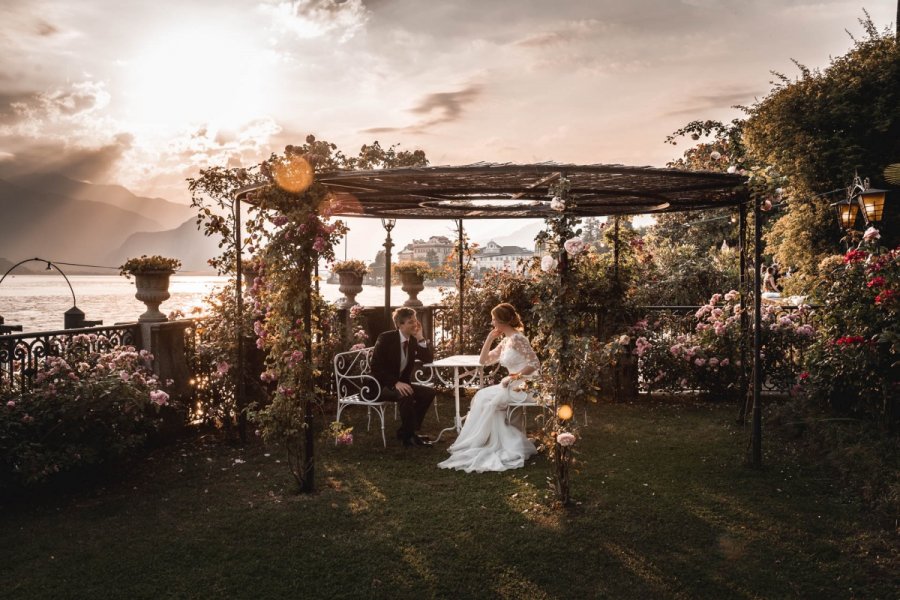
point(420, 441)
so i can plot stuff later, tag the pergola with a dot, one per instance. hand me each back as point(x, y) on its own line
point(510, 191)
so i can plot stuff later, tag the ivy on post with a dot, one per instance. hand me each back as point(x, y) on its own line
point(560, 388)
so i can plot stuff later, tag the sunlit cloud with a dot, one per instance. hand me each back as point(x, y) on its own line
point(87, 163)
point(710, 99)
point(310, 19)
point(565, 33)
point(436, 109)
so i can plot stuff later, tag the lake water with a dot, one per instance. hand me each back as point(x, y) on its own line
point(37, 302)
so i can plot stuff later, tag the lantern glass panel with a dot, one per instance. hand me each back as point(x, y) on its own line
point(846, 212)
point(873, 204)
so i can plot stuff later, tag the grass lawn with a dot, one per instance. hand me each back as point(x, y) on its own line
point(664, 508)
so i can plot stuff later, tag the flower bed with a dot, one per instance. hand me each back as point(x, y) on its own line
point(702, 352)
point(87, 407)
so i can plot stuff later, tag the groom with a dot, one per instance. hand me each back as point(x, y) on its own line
point(393, 363)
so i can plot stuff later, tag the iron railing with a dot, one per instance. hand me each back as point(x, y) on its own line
point(22, 353)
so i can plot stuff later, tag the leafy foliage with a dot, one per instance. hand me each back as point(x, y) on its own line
point(855, 366)
point(290, 231)
point(820, 130)
point(88, 407)
point(351, 266)
point(145, 264)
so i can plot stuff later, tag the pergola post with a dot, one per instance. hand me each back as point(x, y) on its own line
point(239, 292)
point(742, 246)
point(616, 249)
point(757, 338)
point(460, 344)
point(388, 225)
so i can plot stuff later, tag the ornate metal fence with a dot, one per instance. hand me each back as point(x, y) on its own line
point(22, 353)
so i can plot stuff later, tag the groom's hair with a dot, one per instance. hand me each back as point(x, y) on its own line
point(402, 315)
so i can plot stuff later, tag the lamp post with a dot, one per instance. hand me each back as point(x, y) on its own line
point(72, 318)
point(388, 225)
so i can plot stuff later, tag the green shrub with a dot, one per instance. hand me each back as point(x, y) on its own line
point(87, 407)
point(855, 366)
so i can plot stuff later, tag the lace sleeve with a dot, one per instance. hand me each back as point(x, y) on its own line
point(521, 345)
point(494, 355)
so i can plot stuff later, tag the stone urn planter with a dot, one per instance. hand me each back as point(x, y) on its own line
point(412, 283)
point(351, 285)
point(152, 290)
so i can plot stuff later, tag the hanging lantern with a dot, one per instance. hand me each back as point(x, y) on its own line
point(846, 213)
point(872, 201)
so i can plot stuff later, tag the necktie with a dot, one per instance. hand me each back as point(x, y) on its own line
point(404, 359)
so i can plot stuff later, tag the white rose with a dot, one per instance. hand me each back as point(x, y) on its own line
point(871, 234)
point(715, 155)
point(548, 264)
point(558, 204)
point(732, 169)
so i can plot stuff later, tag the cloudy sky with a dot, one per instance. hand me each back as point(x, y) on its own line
point(144, 93)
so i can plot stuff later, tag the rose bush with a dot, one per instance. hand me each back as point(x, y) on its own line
point(705, 355)
point(853, 368)
point(87, 407)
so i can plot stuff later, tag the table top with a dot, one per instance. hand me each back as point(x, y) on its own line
point(457, 360)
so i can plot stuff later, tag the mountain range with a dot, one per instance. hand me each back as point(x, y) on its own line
point(67, 221)
point(63, 220)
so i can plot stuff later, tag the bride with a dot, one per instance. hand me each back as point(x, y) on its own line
point(487, 442)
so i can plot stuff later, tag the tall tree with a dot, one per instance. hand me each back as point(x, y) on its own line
point(820, 130)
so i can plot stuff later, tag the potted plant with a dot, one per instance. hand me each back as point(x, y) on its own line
point(350, 273)
point(412, 276)
point(151, 280)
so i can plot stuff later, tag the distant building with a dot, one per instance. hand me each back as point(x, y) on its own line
point(434, 251)
point(502, 258)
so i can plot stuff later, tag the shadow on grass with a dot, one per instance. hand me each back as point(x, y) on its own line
point(664, 508)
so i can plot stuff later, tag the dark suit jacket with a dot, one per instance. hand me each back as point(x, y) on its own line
point(386, 358)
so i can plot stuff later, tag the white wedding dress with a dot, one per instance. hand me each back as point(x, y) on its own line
point(487, 442)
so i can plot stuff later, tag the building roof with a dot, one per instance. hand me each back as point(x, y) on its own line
point(506, 250)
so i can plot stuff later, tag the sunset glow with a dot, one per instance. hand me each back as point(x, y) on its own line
point(196, 74)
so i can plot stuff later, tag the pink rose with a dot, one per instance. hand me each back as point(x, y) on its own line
point(565, 439)
point(159, 397)
point(574, 245)
point(11, 404)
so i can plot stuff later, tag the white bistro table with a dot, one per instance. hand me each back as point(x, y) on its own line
point(467, 369)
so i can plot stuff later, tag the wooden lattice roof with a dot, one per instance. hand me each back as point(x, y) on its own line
point(522, 191)
point(492, 191)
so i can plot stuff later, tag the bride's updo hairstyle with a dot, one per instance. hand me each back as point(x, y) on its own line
point(506, 314)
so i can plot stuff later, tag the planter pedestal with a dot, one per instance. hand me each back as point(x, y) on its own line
point(412, 284)
point(351, 285)
point(152, 290)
